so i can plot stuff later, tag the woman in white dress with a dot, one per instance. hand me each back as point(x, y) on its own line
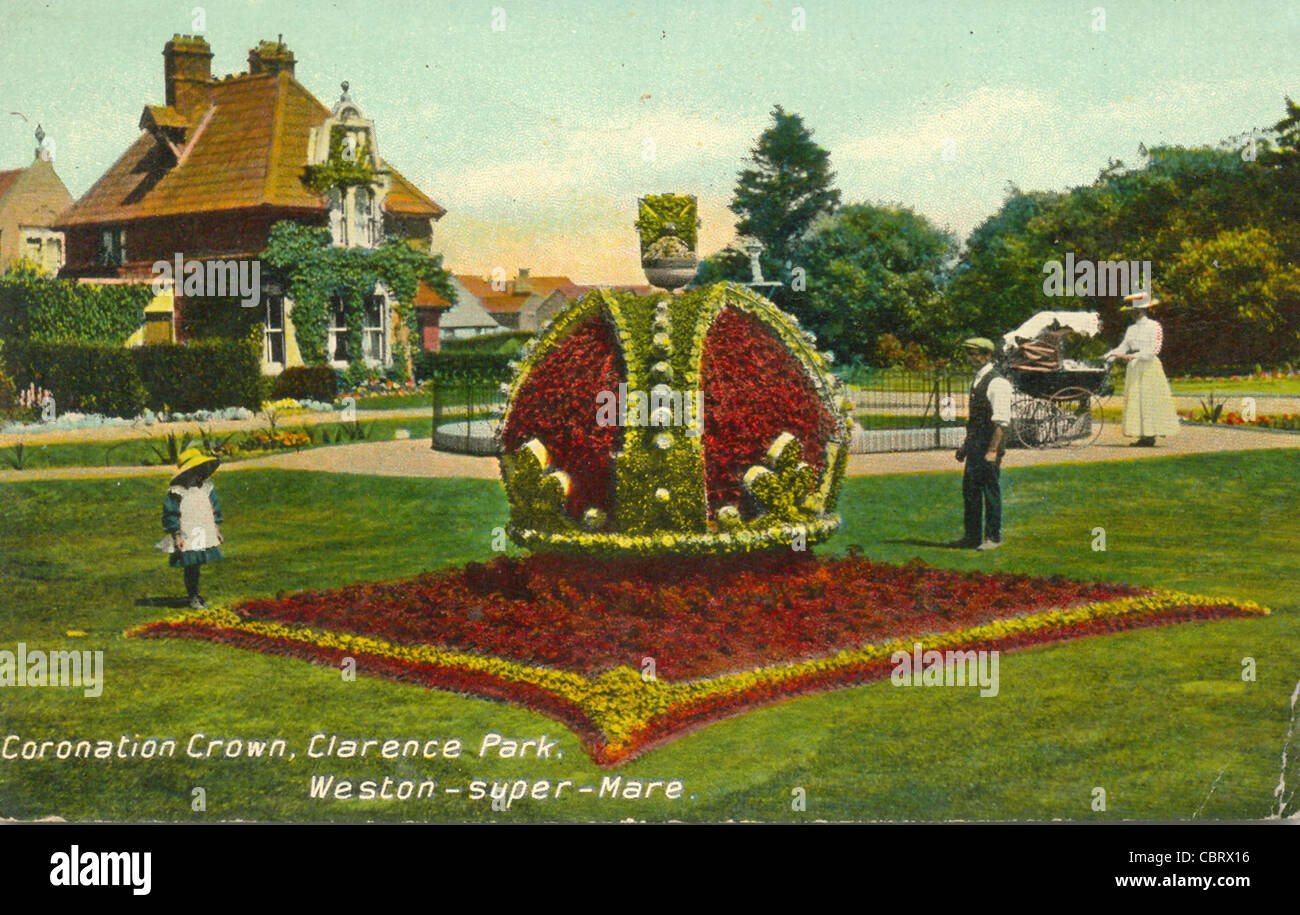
point(1148, 402)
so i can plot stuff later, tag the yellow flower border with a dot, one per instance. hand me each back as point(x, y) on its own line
point(621, 703)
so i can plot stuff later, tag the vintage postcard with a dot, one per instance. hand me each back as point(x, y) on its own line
point(549, 412)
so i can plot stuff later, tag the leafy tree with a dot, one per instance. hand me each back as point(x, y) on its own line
point(872, 271)
point(1219, 228)
point(788, 184)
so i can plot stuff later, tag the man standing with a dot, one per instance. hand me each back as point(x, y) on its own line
point(989, 416)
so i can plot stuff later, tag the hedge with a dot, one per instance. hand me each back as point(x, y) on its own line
point(202, 375)
point(34, 306)
point(458, 366)
point(116, 381)
point(504, 342)
point(317, 382)
point(82, 377)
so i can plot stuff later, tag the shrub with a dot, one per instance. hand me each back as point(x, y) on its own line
point(317, 382)
point(39, 307)
point(202, 375)
point(8, 392)
point(505, 342)
point(81, 377)
point(462, 366)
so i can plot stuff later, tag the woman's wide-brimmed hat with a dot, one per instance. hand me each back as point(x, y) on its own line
point(192, 458)
point(1139, 301)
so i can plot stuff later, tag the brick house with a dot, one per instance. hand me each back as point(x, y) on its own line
point(222, 161)
point(30, 200)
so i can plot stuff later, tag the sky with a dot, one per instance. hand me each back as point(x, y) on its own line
point(537, 123)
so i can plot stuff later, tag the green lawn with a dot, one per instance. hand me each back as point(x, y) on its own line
point(1289, 385)
point(1156, 718)
point(140, 451)
point(423, 399)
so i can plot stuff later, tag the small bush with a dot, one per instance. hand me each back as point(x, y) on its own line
point(317, 382)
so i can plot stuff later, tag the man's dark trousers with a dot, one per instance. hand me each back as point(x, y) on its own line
point(981, 488)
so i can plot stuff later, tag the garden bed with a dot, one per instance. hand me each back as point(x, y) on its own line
point(571, 639)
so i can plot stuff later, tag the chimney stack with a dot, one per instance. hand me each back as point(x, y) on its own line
point(270, 57)
point(187, 69)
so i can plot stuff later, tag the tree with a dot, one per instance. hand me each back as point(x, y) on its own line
point(1218, 228)
point(874, 271)
point(788, 185)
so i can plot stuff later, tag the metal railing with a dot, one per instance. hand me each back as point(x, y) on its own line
point(460, 408)
point(898, 409)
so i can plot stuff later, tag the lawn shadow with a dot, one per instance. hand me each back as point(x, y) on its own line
point(937, 544)
point(168, 602)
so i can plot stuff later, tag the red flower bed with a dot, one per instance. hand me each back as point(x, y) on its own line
point(744, 411)
point(696, 618)
point(557, 404)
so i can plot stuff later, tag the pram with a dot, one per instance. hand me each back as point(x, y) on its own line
point(1057, 401)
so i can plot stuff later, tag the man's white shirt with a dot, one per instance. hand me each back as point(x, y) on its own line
point(999, 395)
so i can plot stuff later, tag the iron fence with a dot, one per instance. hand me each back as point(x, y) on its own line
point(465, 413)
point(893, 410)
point(899, 409)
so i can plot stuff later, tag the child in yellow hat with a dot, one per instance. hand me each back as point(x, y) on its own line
point(192, 517)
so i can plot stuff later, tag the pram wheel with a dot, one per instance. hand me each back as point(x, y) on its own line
point(1079, 416)
point(1033, 421)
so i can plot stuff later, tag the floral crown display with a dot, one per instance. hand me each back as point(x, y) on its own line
point(658, 425)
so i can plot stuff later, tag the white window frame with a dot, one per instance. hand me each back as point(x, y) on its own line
point(372, 333)
point(270, 333)
point(336, 331)
point(338, 216)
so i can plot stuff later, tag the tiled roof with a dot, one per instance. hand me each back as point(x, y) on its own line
point(405, 199)
point(425, 297)
point(248, 149)
point(503, 303)
point(7, 179)
point(476, 286)
point(543, 285)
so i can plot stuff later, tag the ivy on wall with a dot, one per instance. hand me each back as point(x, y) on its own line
point(315, 272)
point(338, 171)
point(36, 306)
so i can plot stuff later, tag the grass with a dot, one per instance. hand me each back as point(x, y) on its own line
point(422, 399)
point(900, 421)
point(140, 451)
point(1289, 385)
point(1154, 717)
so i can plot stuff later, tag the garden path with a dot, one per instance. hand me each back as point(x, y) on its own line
point(414, 458)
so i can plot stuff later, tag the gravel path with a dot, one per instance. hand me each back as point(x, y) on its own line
point(414, 458)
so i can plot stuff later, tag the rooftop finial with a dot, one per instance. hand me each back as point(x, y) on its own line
point(344, 97)
point(44, 145)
